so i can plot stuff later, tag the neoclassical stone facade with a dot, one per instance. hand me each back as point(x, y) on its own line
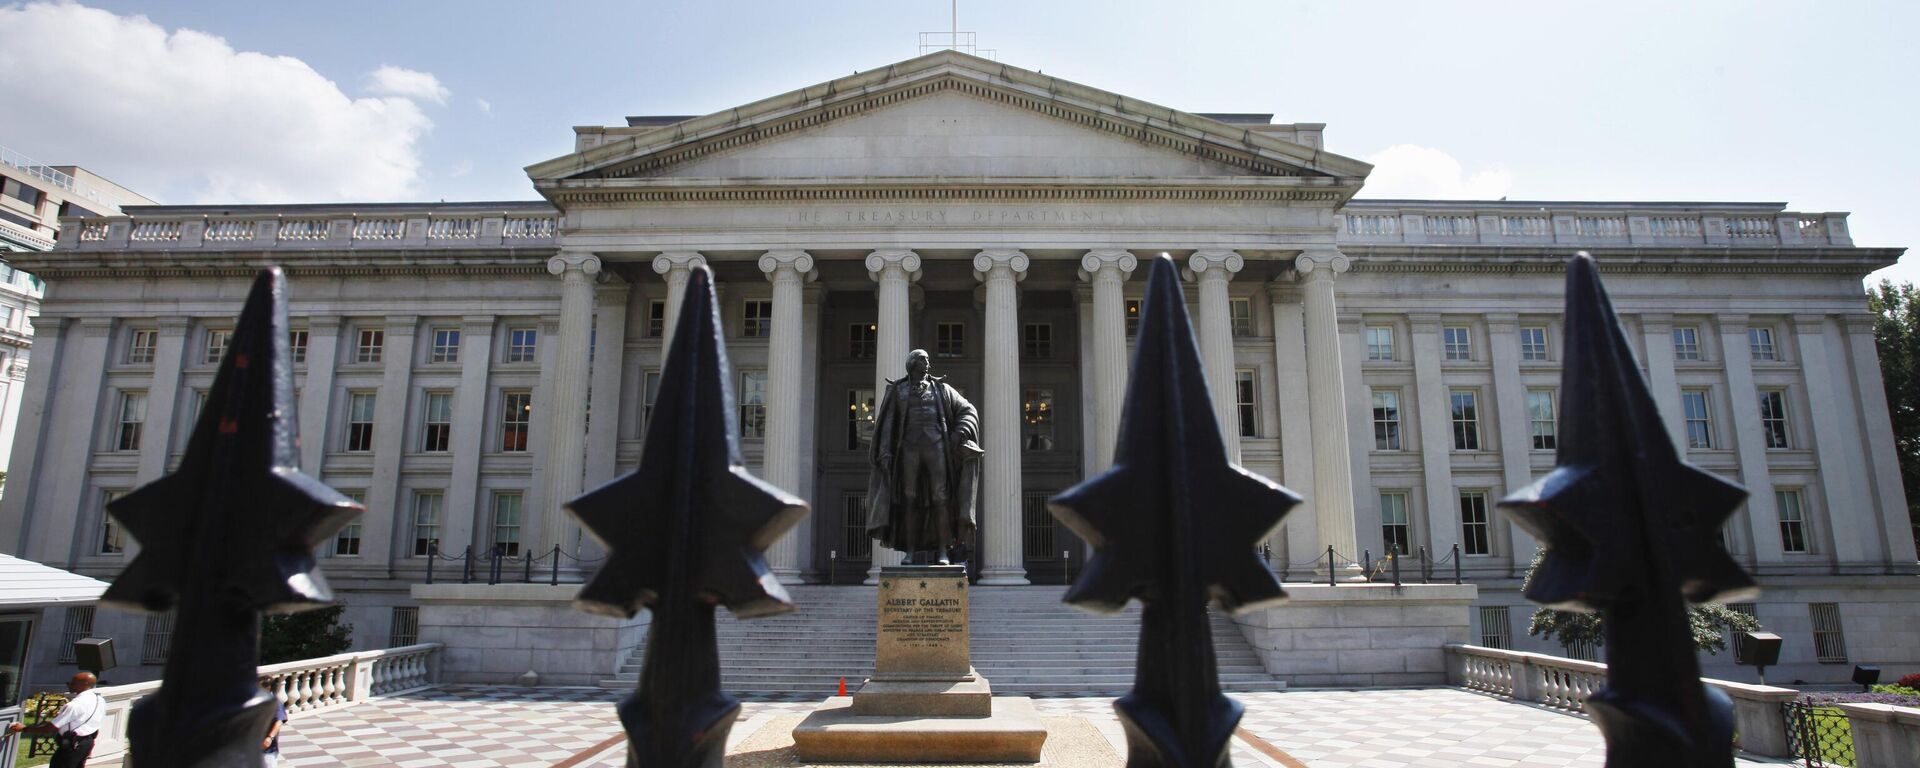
point(468, 367)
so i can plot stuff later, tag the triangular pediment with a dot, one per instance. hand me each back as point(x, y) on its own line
point(947, 115)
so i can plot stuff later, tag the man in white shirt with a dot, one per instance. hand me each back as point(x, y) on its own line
point(76, 725)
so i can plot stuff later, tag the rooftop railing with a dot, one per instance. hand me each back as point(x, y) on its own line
point(313, 228)
point(1447, 223)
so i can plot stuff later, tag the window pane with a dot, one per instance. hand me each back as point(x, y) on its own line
point(1773, 418)
point(446, 346)
point(1474, 539)
point(859, 419)
point(1036, 415)
point(1698, 420)
point(506, 523)
point(1245, 403)
point(1458, 344)
point(1394, 527)
point(861, 338)
point(757, 319)
point(516, 418)
point(426, 522)
point(1466, 421)
point(521, 343)
point(1038, 341)
point(1533, 343)
point(1541, 420)
point(1386, 421)
point(1240, 313)
point(1760, 341)
point(1686, 343)
point(1380, 342)
point(753, 404)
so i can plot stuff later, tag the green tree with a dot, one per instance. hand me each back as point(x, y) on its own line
point(304, 635)
point(1709, 620)
point(1896, 328)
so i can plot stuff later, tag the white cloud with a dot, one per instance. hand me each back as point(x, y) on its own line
point(483, 104)
point(460, 168)
point(1408, 171)
point(390, 80)
point(183, 117)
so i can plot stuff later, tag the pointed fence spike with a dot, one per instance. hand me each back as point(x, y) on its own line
point(1174, 524)
point(227, 536)
point(685, 532)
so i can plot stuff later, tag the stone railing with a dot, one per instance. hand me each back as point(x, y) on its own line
point(1884, 736)
point(303, 685)
point(1419, 222)
point(313, 227)
point(1759, 720)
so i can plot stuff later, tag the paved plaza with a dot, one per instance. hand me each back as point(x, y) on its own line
point(482, 727)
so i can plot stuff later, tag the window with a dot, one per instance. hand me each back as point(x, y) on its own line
point(1793, 520)
point(1733, 640)
point(1760, 341)
point(78, 626)
point(1533, 343)
point(371, 347)
point(521, 343)
point(6, 317)
point(446, 346)
point(159, 638)
point(949, 340)
point(1386, 420)
point(113, 540)
point(1496, 631)
point(1474, 538)
point(1699, 419)
point(1240, 313)
point(650, 391)
point(438, 431)
point(656, 319)
point(1379, 342)
point(506, 522)
point(346, 543)
point(198, 404)
point(297, 344)
point(406, 627)
point(1036, 415)
point(516, 419)
point(859, 419)
point(1036, 341)
point(861, 340)
point(133, 415)
point(1458, 343)
point(757, 320)
point(753, 404)
point(1395, 531)
point(1466, 419)
point(140, 347)
point(426, 522)
point(1829, 642)
point(1133, 317)
point(1540, 419)
point(359, 421)
point(25, 193)
point(1773, 417)
point(217, 341)
point(1686, 343)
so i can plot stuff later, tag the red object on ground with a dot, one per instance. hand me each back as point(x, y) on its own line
point(843, 686)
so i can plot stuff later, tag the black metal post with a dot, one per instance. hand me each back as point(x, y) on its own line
point(1426, 570)
point(1456, 564)
point(833, 562)
point(1395, 557)
point(1330, 567)
point(433, 553)
point(1366, 564)
point(556, 566)
point(526, 558)
point(466, 566)
point(493, 564)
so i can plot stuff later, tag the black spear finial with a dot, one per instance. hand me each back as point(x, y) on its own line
point(1632, 531)
point(686, 531)
point(229, 534)
point(1174, 524)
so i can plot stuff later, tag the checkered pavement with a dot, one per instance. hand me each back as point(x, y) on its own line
point(487, 726)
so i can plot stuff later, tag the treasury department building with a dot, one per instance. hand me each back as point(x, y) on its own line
point(464, 368)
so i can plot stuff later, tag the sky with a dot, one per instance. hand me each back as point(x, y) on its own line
point(1812, 105)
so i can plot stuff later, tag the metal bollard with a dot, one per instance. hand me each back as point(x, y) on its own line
point(527, 559)
point(1426, 570)
point(1395, 557)
point(1366, 564)
point(833, 563)
point(466, 566)
point(1330, 567)
point(433, 553)
point(1456, 564)
point(556, 566)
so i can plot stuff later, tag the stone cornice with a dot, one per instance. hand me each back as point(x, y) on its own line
point(250, 270)
point(739, 191)
point(1553, 260)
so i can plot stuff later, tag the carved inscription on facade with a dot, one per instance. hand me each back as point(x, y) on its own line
point(922, 623)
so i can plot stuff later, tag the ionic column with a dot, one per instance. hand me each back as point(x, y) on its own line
point(789, 271)
point(1516, 432)
point(1327, 415)
point(316, 390)
point(1000, 507)
point(567, 395)
point(675, 265)
point(1749, 439)
point(894, 270)
point(1107, 270)
point(1657, 338)
point(1854, 540)
point(1883, 460)
point(1213, 268)
point(162, 398)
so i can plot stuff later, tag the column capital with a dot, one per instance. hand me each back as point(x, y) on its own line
point(1733, 322)
point(1656, 321)
point(985, 263)
point(587, 263)
point(476, 321)
point(1423, 319)
point(908, 262)
point(174, 324)
point(1859, 322)
point(327, 323)
point(1330, 260)
point(1108, 258)
point(1502, 319)
point(800, 262)
point(96, 327)
point(1215, 261)
point(682, 261)
point(402, 325)
point(1804, 321)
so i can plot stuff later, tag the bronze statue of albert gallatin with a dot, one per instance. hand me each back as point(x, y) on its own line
point(926, 466)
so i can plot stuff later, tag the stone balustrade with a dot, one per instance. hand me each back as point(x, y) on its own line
point(303, 685)
point(1884, 736)
point(1759, 719)
point(1421, 222)
point(456, 225)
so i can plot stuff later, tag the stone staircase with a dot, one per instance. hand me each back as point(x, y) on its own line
point(1025, 641)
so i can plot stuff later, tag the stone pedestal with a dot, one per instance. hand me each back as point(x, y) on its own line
point(925, 702)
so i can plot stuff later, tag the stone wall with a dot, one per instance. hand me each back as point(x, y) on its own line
point(1356, 635)
point(494, 634)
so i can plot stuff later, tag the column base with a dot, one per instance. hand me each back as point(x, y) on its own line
point(1010, 577)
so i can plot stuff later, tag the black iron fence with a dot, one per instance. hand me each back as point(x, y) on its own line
point(499, 565)
point(1392, 568)
point(1818, 735)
